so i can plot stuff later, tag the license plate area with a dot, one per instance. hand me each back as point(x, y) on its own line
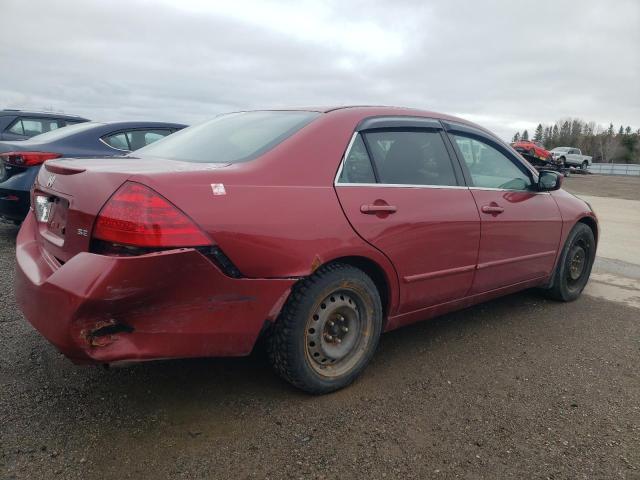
point(51, 213)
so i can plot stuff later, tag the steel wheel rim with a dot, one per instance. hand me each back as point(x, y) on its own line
point(337, 333)
point(578, 260)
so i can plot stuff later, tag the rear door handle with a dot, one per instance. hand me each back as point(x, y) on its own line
point(493, 209)
point(373, 209)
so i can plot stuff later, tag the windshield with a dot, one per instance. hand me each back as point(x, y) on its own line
point(560, 149)
point(63, 132)
point(230, 138)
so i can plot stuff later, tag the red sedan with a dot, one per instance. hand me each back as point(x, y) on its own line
point(533, 149)
point(316, 229)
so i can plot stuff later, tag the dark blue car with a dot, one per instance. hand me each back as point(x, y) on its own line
point(22, 124)
point(20, 161)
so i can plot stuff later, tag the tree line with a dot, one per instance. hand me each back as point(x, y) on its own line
point(606, 145)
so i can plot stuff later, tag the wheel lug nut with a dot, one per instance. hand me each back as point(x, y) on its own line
point(345, 329)
point(329, 337)
point(331, 323)
point(338, 340)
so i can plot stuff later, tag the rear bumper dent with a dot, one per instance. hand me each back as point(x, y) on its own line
point(100, 309)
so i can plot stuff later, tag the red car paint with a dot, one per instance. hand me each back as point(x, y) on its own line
point(532, 148)
point(279, 219)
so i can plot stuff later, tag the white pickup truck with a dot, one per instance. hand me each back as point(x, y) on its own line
point(571, 157)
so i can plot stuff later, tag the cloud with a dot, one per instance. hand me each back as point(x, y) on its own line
point(507, 65)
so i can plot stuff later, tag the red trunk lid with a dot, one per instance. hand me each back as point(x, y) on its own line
point(78, 189)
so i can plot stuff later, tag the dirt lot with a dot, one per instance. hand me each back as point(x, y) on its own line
point(604, 186)
point(517, 388)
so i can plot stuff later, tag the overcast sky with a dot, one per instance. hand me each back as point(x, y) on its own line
point(505, 64)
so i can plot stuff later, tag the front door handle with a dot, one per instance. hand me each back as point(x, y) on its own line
point(492, 209)
point(373, 209)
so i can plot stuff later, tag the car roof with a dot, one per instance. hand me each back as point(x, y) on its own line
point(29, 113)
point(378, 110)
point(141, 124)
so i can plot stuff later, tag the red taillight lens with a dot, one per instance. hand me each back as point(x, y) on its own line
point(136, 215)
point(28, 159)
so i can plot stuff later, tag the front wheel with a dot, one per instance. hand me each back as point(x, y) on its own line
point(584, 165)
point(574, 266)
point(328, 330)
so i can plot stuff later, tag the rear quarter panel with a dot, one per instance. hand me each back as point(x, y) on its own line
point(280, 216)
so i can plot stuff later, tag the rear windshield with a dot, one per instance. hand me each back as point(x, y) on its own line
point(230, 138)
point(63, 132)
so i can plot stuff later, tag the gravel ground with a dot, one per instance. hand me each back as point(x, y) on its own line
point(613, 186)
point(520, 387)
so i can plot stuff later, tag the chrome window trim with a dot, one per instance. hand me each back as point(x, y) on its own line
point(508, 190)
point(400, 185)
point(114, 148)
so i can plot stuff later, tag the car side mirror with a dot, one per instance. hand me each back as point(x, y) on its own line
point(549, 180)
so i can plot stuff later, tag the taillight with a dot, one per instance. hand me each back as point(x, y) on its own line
point(28, 159)
point(138, 216)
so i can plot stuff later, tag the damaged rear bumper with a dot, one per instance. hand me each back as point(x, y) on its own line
point(172, 304)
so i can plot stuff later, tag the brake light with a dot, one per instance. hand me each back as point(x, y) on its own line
point(27, 159)
point(138, 216)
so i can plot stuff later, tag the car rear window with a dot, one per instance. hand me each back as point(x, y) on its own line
point(230, 138)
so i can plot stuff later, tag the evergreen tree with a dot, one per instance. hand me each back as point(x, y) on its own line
point(516, 137)
point(537, 136)
point(525, 136)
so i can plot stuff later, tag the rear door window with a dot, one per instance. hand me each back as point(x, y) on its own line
point(134, 139)
point(411, 158)
point(155, 135)
point(31, 127)
point(141, 138)
point(16, 128)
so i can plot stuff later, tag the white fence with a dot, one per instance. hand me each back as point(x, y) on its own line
point(615, 168)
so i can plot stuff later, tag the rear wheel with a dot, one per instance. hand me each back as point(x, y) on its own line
point(574, 266)
point(328, 330)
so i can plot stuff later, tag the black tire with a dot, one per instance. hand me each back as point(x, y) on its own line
point(574, 266)
point(532, 152)
point(563, 162)
point(584, 165)
point(301, 344)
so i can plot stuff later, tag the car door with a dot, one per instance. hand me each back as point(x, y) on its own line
point(520, 226)
point(569, 157)
point(405, 195)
